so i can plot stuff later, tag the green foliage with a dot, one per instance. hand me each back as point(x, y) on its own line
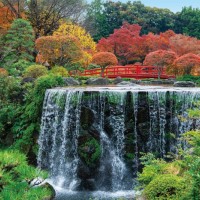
point(59, 71)
point(165, 187)
point(10, 99)
point(162, 180)
point(74, 68)
point(35, 71)
point(189, 77)
point(15, 175)
point(29, 122)
point(18, 191)
point(90, 151)
point(188, 22)
point(19, 43)
point(10, 89)
point(104, 17)
point(18, 68)
point(93, 66)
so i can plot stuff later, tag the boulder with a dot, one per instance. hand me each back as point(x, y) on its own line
point(71, 81)
point(117, 80)
point(27, 80)
point(97, 81)
point(53, 192)
point(126, 83)
point(184, 84)
point(135, 81)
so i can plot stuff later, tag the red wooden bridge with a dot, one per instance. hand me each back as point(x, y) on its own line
point(128, 71)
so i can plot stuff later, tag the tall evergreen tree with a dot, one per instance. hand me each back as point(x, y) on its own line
point(19, 43)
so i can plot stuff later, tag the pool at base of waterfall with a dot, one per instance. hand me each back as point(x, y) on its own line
point(67, 194)
point(96, 195)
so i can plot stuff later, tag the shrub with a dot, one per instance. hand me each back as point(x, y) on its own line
point(18, 68)
point(166, 186)
point(60, 71)
point(35, 71)
point(189, 77)
point(15, 176)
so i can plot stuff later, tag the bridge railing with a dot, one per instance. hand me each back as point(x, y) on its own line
point(128, 71)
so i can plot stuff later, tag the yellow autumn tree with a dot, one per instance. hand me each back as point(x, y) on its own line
point(87, 43)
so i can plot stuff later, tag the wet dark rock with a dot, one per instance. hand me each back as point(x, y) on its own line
point(184, 84)
point(71, 81)
point(84, 172)
point(87, 185)
point(143, 130)
point(97, 81)
point(87, 118)
point(93, 131)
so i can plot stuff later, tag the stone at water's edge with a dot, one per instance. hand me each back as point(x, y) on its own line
point(71, 81)
point(117, 80)
point(97, 81)
point(126, 83)
point(184, 84)
point(91, 137)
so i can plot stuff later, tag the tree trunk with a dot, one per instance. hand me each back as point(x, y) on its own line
point(102, 72)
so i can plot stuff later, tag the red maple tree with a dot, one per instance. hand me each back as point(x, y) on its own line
point(160, 59)
point(186, 64)
point(104, 59)
point(121, 42)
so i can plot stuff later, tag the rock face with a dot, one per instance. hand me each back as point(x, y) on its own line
point(184, 84)
point(126, 83)
point(97, 81)
point(70, 81)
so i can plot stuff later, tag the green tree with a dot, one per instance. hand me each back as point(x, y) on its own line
point(19, 43)
point(105, 17)
point(188, 22)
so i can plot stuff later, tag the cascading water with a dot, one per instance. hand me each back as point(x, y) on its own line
point(91, 138)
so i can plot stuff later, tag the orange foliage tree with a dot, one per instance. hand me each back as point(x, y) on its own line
point(3, 72)
point(7, 16)
point(186, 64)
point(160, 59)
point(104, 59)
point(59, 50)
point(182, 44)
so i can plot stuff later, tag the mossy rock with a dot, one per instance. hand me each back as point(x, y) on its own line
point(89, 150)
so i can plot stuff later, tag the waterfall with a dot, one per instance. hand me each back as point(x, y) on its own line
point(91, 138)
point(59, 133)
point(135, 109)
